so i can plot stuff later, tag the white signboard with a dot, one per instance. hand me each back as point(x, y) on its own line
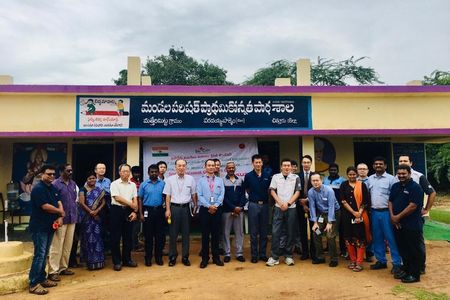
point(197, 152)
point(103, 113)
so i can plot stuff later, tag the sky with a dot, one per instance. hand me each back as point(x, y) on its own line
point(87, 42)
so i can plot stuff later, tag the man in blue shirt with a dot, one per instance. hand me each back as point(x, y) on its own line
point(152, 215)
point(325, 213)
point(256, 184)
point(380, 185)
point(210, 191)
point(334, 180)
point(46, 209)
point(405, 207)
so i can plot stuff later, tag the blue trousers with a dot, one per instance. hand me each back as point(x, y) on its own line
point(382, 230)
point(41, 242)
point(258, 222)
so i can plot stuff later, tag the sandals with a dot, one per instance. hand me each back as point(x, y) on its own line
point(38, 290)
point(351, 265)
point(48, 283)
point(358, 268)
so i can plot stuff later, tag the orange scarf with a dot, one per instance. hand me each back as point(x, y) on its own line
point(357, 192)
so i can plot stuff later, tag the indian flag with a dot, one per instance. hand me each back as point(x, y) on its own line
point(159, 151)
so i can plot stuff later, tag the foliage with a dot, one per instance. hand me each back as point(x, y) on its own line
point(442, 216)
point(418, 293)
point(437, 78)
point(325, 72)
point(438, 162)
point(122, 80)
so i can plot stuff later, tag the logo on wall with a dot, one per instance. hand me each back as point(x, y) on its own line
point(324, 154)
point(103, 113)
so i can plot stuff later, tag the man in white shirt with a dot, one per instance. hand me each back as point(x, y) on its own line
point(124, 208)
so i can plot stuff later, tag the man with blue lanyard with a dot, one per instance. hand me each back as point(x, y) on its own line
point(152, 215)
point(210, 192)
point(380, 185)
point(256, 184)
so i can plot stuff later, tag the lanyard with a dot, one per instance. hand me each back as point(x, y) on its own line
point(211, 184)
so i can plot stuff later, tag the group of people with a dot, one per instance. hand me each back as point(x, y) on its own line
point(368, 214)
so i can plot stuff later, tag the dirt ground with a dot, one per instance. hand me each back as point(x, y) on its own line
point(238, 280)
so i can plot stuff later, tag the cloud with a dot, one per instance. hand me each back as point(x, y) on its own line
point(87, 42)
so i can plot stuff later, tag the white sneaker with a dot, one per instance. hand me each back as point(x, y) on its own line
point(289, 261)
point(272, 262)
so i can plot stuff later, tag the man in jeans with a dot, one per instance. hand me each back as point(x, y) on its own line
point(58, 261)
point(325, 214)
point(46, 209)
point(285, 189)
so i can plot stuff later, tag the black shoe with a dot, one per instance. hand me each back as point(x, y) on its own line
point(263, 258)
point(240, 258)
point(378, 266)
point(131, 264)
point(400, 274)
point(304, 257)
point(410, 279)
point(186, 261)
point(203, 264)
point(117, 267)
point(172, 262)
point(254, 260)
point(218, 262)
point(369, 259)
point(317, 261)
point(148, 262)
point(396, 269)
point(227, 259)
point(159, 261)
point(333, 264)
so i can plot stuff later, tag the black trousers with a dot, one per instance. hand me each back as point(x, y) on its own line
point(121, 229)
point(411, 250)
point(210, 224)
point(303, 231)
point(153, 230)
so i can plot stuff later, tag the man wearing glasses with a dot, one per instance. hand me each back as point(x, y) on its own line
point(46, 209)
point(62, 242)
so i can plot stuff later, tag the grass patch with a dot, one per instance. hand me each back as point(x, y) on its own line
point(440, 216)
point(418, 293)
point(436, 231)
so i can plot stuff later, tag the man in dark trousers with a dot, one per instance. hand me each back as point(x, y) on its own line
point(303, 209)
point(256, 184)
point(405, 207)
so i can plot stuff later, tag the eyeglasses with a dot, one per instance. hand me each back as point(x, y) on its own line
point(50, 174)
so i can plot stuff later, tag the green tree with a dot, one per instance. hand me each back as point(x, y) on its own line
point(437, 78)
point(323, 72)
point(177, 68)
point(438, 162)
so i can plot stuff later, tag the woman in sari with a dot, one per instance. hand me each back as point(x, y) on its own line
point(355, 199)
point(91, 202)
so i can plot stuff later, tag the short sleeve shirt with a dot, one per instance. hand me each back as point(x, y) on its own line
point(180, 189)
point(401, 196)
point(285, 186)
point(151, 192)
point(42, 221)
point(125, 189)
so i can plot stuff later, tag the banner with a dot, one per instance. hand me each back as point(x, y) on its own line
point(197, 152)
point(193, 112)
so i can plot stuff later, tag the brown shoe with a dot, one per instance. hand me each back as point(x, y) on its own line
point(66, 272)
point(48, 283)
point(38, 290)
point(54, 277)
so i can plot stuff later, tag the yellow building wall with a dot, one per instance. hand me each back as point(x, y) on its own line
point(37, 112)
point(380, 111)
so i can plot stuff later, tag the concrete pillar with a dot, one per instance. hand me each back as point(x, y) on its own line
point(134, 70)
point(146, 80)
point(14, 267)
point(414, 82)
point(303, 72)
point(133, 150)
point(6, 79)
point(282, 82)
point(308, 148)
